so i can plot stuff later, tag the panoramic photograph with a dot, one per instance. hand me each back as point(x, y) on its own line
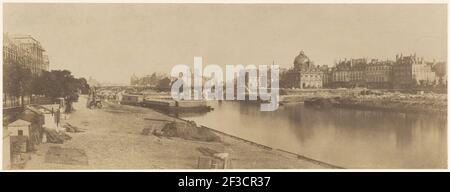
point(151, 86)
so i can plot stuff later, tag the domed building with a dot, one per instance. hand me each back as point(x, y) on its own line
point(301, 61)
point(304, 74)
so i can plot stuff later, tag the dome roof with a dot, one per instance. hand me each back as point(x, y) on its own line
point(301, 60)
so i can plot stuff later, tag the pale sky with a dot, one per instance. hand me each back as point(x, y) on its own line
point(110, 42)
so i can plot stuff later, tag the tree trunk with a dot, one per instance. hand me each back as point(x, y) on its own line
point(22, 100)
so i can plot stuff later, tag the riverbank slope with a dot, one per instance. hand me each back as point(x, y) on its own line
point(370, 99)
point(113, 139)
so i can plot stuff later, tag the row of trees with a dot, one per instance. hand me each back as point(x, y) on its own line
point(18, 81)
point(163, 84)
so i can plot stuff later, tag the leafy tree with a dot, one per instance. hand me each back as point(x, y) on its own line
point(84, 86)
point(153, 79)
point(163, 84)
point(440, 69)
point(17, 81)
point(60, 84)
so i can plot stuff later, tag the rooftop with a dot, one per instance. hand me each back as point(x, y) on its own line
point(19, 123)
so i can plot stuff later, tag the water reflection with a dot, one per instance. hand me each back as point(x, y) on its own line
point(345, 137)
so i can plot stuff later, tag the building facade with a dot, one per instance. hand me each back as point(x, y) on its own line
point(304, 74)
point(379, 74)
point(349, 73)
point(327, 77)
point(26, 51)
point(411, 71)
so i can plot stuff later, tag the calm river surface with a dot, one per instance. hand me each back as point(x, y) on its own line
point(343, 137)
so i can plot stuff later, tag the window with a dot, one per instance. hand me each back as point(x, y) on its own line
point(20, 132)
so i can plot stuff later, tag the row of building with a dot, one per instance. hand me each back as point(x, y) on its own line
point(148, 80)
point(26, 51)
point(405, 72)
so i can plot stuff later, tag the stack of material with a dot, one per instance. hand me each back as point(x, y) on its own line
point(182, 129)
point(189, 130)
point(155, 127)
point(56, 137)
point(72, 129)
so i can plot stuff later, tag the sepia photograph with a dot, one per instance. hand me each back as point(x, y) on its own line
point(224, 86)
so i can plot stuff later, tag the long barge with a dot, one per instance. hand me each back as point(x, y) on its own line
point(165, 103)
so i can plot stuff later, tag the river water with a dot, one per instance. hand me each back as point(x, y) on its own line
point(344, 137)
